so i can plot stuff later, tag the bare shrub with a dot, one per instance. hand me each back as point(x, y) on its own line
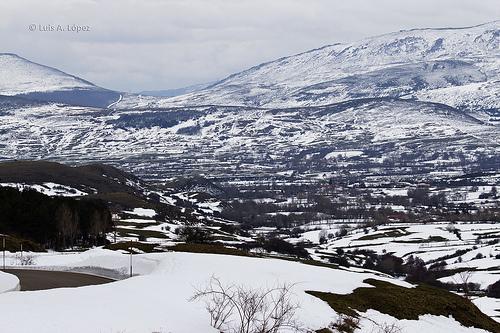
point(237, 309)
point(349, 324)
point(345, 324)
point(24, 260)
point(388, 328)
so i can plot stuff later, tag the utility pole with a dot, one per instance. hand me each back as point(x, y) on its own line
point(130, 250)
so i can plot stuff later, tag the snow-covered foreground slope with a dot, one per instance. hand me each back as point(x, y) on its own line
point(430, 64)
point(8, 282)
point(158, 301)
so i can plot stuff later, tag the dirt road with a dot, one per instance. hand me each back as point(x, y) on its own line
point(41, 280)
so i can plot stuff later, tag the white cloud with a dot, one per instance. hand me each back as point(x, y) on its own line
point(153, 44)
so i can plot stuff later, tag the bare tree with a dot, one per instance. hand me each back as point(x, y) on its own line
point(451, 228)
point(236, 309)
point(464, 278)
point(67, 223)
point(323, 236)
point(97, 225)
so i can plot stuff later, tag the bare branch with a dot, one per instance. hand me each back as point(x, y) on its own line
point(241, 310)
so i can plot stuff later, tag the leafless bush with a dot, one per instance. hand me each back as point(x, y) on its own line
point(349, 324)
point(24, 260)
point(387, 328)
point(345, 324)
point(236, 309)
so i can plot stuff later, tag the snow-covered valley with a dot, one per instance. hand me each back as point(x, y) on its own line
point(361, 177)
point(235, 141)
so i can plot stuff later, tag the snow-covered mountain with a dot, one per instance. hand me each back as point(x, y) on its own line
point(23, 78)
point(456, 66)
point(410, 96)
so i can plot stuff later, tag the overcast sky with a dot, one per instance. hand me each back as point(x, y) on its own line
point(160, 44)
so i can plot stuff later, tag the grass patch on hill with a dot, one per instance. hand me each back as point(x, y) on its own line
point(425, 240)
point(138, 225)
point(318, 263)
point(124, 232)
point(387, 233)
point(408, 303)
point(208, 248)
point(124, 199)
point(224, 238)
point(125, 246)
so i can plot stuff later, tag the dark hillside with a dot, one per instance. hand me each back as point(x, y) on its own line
point(88, 178)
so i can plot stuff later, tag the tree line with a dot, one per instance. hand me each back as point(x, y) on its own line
point(53, 222)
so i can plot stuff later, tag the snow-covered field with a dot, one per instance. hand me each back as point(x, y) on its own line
point(144, 212)
point(431, 242)
point(158, 299)
point(426, 240)
point(50, 189)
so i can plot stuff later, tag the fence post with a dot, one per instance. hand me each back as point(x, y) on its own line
point(4, 252)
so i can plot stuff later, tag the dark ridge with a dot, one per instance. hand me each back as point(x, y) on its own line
point(98, 98)
point(90, 178)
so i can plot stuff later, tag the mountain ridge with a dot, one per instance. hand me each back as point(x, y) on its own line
point(33, 81)
point(413, 94)
point(47, 67)
point(275, 83)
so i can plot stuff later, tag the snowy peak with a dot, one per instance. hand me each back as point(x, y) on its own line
point(21, 77)
point(459, 66)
